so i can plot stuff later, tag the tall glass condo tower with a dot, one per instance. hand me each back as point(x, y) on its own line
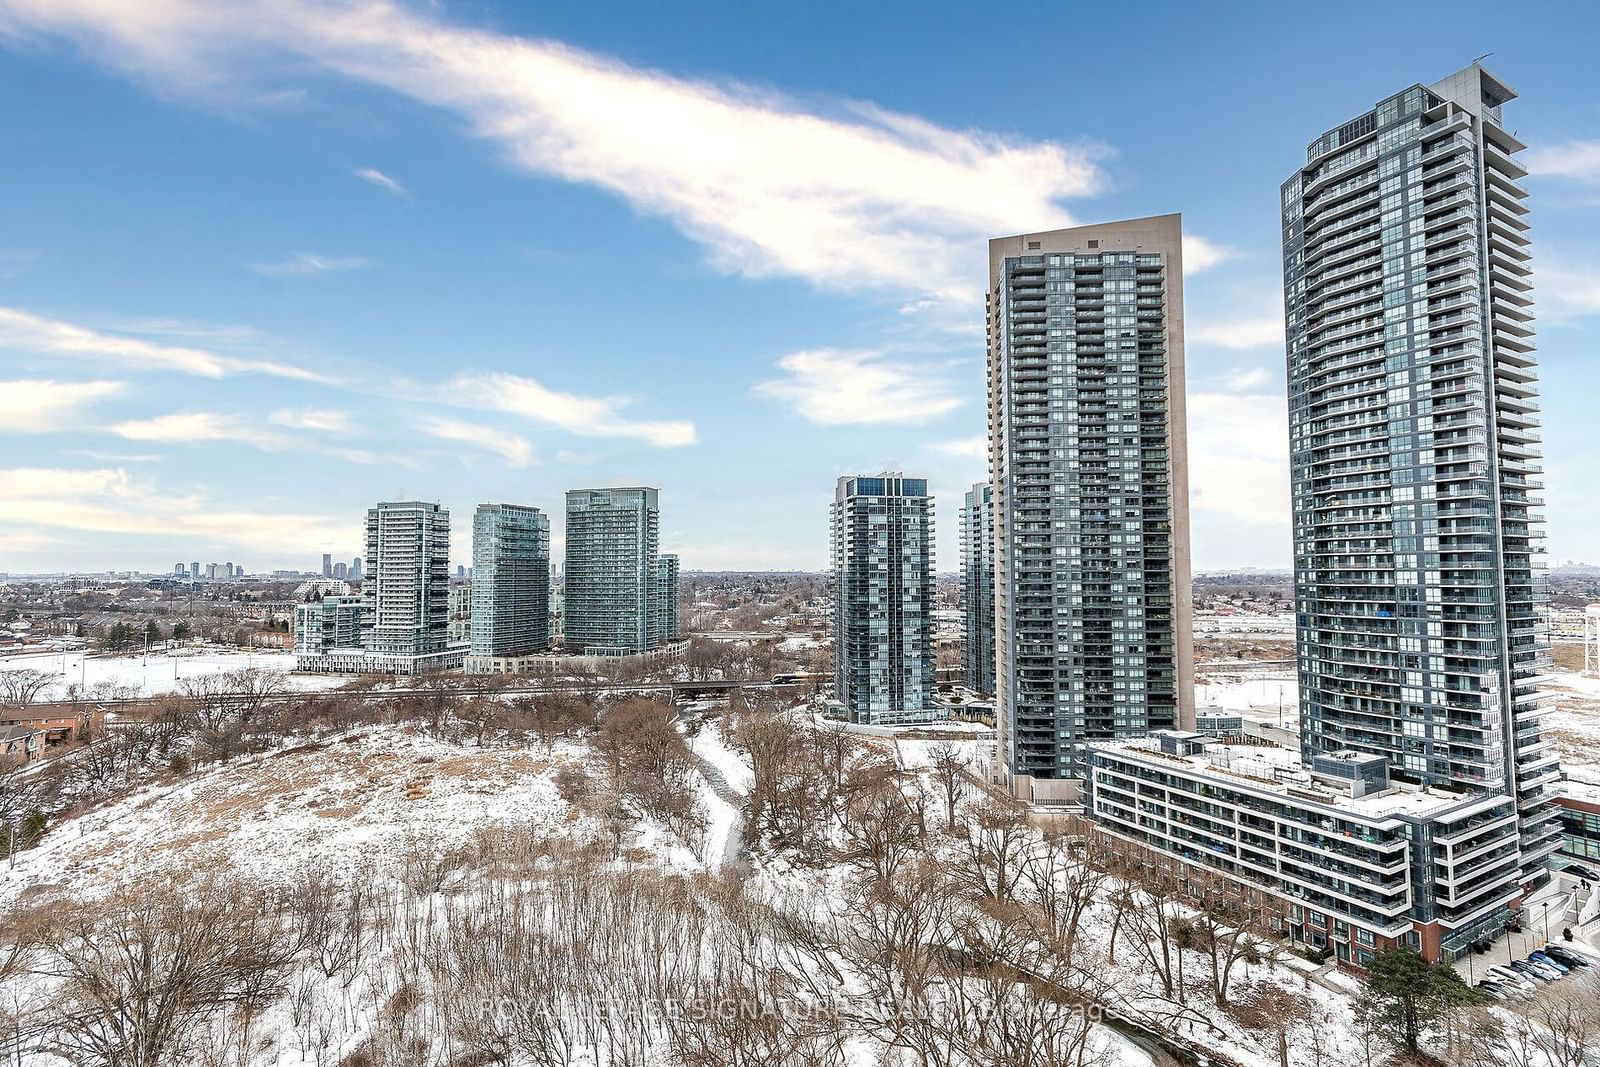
point(1094, 630)
point(1421, 626)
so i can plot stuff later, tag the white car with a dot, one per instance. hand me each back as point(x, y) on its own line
point(1506, 976)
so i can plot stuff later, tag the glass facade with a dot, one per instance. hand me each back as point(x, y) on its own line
point(510, 581)
point(612, 571)
point(407, 585)
point(1086, 392)
point(882, 549)
point(667, 596)
point(1412, 410)
point(977, 586)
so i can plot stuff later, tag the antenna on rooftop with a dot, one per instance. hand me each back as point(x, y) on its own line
point(1481, 58)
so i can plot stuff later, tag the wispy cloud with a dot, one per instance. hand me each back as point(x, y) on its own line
point(1567, 288)
point(590, 416)
point(1239, 456)
point(110, 501)
point(374, 176)
point(1200, 254)
point(311, 263)
point(41, 405)
point(515, 450)
point(974, 447)
point(1576, 160)
point(1247, 379)
point(1246, 331)
point(320, 420)
point(843, 194)
point(837, 386)
point(192, 427)
point(24, 331)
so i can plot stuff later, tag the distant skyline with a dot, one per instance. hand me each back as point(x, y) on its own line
point(266, 264)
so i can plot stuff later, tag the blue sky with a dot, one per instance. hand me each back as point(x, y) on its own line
point(264, 263)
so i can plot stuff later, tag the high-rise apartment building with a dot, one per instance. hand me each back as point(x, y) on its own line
point(327, 565)
point(667, 596)
point(1094, 629)
point(612, 571)
point(1420, 612)
point(340, 572)
point(460, 631)
point(882, 552)
point(977, 586)
point(510, 587)
point(408, 588)
point(355, 569)
point(325, 624)
point(194, 570)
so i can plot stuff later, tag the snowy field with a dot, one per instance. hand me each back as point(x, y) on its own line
point(333, 805)
point(1574, 725)
point(1247, 689)
point(1278, 627)
point(158, 672)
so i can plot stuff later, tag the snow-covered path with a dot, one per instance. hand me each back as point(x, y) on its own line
point(718, 764)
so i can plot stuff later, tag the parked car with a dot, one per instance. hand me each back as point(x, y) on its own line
point(1494, 990)
point(1549, 970)
point(1567, 956)
point(1548, 960)
point(1529, 970)
point(1521, 983)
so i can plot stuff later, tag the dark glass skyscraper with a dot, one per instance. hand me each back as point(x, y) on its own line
point(1414, 457)
point(1094, 633)
point(977, 586)
point(510, 584)
point(609, 599)
point(882, 548)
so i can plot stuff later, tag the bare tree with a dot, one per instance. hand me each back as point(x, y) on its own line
point(996, 842)
point(950, 778)
point(145, 970)
point(19, 689)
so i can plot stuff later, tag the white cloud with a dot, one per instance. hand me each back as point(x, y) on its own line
point(974, 447)
point(837, 386)
point(383, 181)
point(516, 450)
point(1249, 331)
point(590, 416)
point(27, 332)
point(844, 194)
point(1239, 457)
point(185, 427)
point(1201, 254)
point(1245, 379)
point(311, 263)
point(320, 420)
point(109, 501)
point(1566, 288)
point(1578, 160)
point(41, 405)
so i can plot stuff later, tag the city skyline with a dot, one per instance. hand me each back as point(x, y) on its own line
point(180, 388)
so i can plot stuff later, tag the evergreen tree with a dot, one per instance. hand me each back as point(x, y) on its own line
point(119, 638)
point(1407, 995)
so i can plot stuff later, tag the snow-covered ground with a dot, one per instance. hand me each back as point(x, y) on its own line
point(1279, 627)
point(1574, 725)
point(1247, 688)
point(158, 672)
point(332, 805)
